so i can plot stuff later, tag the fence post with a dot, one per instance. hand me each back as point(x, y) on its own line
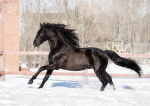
point(85, 76)
point(2, 67)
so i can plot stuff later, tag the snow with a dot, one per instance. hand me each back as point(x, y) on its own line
point(22, 65)
point(6, 70)
point(71, 91)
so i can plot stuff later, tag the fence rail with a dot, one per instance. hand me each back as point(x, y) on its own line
point(47, 52)
point(85, 73)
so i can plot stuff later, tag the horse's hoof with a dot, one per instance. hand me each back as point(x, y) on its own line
point(39, 87)
point(30, 82)
point(113, 87)
point(101, 89)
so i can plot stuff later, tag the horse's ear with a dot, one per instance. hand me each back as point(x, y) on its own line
point(44, 25)
point(41, 25)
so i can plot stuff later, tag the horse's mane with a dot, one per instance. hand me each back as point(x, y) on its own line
point(68, 34)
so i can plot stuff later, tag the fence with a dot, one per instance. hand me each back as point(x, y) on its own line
point(85, 73)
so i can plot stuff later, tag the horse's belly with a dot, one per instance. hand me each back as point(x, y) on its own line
point(76, 65)
point(76, 68)
point(78, 61)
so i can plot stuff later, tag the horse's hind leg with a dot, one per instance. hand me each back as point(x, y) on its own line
point(104, 82)
point(49, 72)
point(105, 78)
point(109, 79)
point(101, 77)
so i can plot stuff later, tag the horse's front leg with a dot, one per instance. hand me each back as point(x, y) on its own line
point(52, 66)
point(49, 72)
point(37, 73)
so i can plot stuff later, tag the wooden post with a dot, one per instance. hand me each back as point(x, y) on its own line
point(2, 76)
point(2, 13)
point(85, 76)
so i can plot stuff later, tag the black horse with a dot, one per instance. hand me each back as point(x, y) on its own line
point(66, 54)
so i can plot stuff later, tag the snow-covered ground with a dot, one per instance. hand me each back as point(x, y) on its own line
point(71, 91)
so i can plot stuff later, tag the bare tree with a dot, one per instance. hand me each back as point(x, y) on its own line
point(95, 21)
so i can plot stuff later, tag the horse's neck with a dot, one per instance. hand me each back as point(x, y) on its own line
point(58, 43)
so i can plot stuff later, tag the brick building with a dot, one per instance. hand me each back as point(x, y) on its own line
point(11, 32)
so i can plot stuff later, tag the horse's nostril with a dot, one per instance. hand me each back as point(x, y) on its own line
point(34, 41)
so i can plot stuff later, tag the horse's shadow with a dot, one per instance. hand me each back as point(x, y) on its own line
point(68, 84)
point(128, 87)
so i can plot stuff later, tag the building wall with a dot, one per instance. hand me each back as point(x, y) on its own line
point(11, 33)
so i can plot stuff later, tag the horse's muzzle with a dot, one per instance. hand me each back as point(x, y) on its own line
point(35, 43)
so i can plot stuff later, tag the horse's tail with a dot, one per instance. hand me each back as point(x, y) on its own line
point(128, 63)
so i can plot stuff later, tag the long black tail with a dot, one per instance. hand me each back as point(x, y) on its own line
point(128, 63)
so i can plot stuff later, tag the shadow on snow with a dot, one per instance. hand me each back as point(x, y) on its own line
point(128, 87)
point(67, 84)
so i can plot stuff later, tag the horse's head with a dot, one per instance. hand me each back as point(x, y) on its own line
point(41, 36)
point(54, 33)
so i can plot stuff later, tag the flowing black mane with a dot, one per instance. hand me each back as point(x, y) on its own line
point(68, 34)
